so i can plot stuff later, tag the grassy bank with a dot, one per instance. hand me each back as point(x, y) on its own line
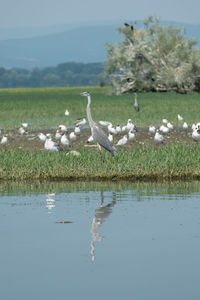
point(173, 161)
point(44, 109)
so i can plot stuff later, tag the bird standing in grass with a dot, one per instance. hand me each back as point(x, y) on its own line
point(122, 141)
point(98, 134)
point(51, 145)
point(158, 138)
point(136, 105)
point(4, 139)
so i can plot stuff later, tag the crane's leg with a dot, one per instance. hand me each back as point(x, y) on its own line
point(101, 155)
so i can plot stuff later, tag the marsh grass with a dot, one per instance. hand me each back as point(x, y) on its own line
point(173, 161)
point(45, 107)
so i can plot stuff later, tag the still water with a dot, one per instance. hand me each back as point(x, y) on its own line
point(100, 241)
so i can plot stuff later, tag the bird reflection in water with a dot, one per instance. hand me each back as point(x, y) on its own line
point(50, 202)
point(101, 214)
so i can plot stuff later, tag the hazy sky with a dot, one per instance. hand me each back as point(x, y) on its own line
point(20, 13)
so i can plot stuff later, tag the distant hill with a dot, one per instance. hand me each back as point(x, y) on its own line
point(85, 45)
point(67, 43)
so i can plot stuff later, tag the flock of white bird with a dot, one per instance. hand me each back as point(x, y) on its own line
point(127, 133)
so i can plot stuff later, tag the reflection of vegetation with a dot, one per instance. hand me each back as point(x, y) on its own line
point(141, 189)
point(172, 161)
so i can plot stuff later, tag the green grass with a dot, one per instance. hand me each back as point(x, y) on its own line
point(44, 108)
point(174, 161)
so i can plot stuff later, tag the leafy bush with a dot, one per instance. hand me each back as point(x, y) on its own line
point(154, 58)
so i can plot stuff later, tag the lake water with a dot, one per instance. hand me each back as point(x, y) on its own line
point(125, 241)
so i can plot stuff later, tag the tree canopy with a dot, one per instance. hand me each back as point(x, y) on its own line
point(153, 58)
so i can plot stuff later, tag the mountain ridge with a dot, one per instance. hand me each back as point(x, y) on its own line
point(76, 44)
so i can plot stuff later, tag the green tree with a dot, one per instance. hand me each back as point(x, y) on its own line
point(154, 58)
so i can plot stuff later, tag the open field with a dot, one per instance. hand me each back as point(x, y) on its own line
point(44, 108)
point(24, 157)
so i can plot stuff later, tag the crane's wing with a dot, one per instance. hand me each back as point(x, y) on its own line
point(101, 138)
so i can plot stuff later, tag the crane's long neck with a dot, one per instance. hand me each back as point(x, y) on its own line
point(90, 120)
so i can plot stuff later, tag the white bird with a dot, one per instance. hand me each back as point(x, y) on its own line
point(77, 130)
point(124, 128)
point(185, 126)
point(158, 138)
point(64, 140)
point(4, 139)
point(118, 129)
point(80, 122)
point(90, 139)
point(66, 113)
point(152, 129)
point(170, 126)
point(196, 134)
point(164, 129)
point(180, 118)
point(25, 125)
point(122, 141)
point(164, 121)
point(49, 135)
point(111, 129)
point(131, 135)
point(63, 128)
point(104, 123)
point(22, 130)
point(72, 136)
point(58, 135)
point(194, 127)
point(130, 125)
point(42, 137)
point(51, 145)
point(110, 137)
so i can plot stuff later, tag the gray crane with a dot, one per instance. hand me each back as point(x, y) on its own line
point(136, 105)
point(98, 134)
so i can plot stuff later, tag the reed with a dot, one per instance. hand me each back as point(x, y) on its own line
point(173, 161)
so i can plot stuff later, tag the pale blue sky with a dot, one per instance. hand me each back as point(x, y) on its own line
point(20, 13)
